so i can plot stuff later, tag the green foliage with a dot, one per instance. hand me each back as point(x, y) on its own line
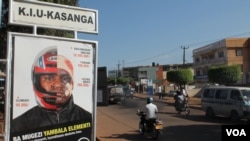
point(111, 80)
point(226, 75)
point(118, 81)
point(180, 77)
point(122, 81)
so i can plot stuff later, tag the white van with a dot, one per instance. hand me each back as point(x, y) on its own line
point(233, 102)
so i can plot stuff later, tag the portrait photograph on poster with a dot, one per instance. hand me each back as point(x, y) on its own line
point(53, 88)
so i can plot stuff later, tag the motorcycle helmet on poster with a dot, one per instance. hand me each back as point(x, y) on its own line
point(52, 76)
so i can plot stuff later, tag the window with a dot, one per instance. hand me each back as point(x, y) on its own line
point(221, 94)
point(208, 93)
point(211, 57)
point(235, 94)
point(198, 73)
point(197, 60)
point(220, 54)
point(238, 52)
point(204, 59)
point(246, 93)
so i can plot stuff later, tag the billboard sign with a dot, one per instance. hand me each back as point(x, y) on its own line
point(53, 16)
point(150, 87)
point(52, 88)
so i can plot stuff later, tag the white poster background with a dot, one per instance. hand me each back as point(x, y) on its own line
point(27, 49)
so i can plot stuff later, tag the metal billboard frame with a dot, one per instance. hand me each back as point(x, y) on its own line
point(92, 29)
point(10, 69)
point(21, 14)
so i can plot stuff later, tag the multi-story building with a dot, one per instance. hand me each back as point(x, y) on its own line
point(170, 67)
point(112, 73)
point(229, 51)
point(157, 73)
point(130, 72)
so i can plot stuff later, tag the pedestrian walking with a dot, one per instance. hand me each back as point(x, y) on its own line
point(160, 92)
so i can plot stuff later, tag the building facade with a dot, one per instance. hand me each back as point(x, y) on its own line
point(130, 72)
point(229, 51)
point(155, 73)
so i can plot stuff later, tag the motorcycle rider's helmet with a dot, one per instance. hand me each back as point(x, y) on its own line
point(149, 100)
point(51, 63)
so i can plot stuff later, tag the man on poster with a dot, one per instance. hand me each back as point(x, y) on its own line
point(53, 79)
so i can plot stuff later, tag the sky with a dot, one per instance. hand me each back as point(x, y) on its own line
point(139, 32)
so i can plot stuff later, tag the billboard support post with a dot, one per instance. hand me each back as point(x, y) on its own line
point(53, 73)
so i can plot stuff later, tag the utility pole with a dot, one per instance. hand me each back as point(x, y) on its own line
point(119, 73)
point(123, 66)
point(184, 48)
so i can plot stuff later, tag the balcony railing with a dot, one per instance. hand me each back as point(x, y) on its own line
point(212, 61)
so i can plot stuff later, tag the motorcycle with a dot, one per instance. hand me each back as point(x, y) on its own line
point(183, 106)
point(153, 127)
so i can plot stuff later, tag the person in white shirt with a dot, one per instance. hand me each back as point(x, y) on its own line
point(160, 92)
point(151, 110)
point(184, 92)
point(180, 98)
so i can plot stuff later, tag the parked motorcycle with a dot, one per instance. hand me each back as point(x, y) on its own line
point(153, 127)
point(183, 107)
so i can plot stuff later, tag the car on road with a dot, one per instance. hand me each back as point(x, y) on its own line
point(115, 94)
point(128, 93)
point(226, 101)
point(171, 93)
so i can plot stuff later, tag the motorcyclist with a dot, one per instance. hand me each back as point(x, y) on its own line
point(179, 99)
point(151, 111)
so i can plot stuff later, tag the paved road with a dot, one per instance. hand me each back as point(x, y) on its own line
point(110, 128)
point(119, 122)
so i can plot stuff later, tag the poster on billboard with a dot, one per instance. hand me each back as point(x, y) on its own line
point(53, 88)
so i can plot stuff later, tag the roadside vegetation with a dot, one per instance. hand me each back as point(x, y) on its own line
point(225, 75)
point(180, 77)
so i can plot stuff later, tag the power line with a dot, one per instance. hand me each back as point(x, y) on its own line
point(192, 45)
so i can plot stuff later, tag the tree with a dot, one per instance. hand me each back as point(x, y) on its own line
point(111, 80)
point(118, 81)
point(25, 29)
point(225, 75)
point(180, 77)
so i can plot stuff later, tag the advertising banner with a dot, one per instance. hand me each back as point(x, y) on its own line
point(150, 87)
point(53, 89)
